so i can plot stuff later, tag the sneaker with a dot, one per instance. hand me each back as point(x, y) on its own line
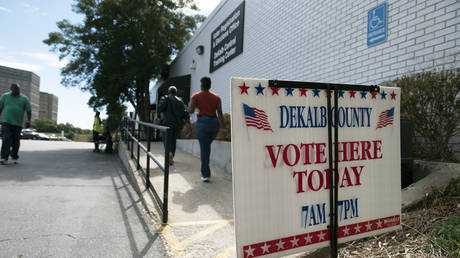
point(3, 162)
point(171, 160)
point(205, 179)
point(15, 161)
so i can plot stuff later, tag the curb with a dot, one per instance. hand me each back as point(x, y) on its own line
point(438, 177)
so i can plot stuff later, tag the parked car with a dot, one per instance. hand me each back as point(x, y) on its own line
point(43, 137)
point(29, 134)
point(33, 134)
point(65, 139)
point(53, 137)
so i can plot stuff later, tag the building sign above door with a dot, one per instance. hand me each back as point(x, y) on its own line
point(227, 39)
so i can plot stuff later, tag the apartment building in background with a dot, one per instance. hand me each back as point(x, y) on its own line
point(29, 82)
point(48, 106)
point(44, 105)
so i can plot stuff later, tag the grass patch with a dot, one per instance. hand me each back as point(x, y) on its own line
point(446, 233)
point(447, 236)
point(83, 137)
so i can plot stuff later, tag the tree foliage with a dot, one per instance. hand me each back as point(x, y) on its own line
point(431, 101)
point(120, 46)
point(50, 126)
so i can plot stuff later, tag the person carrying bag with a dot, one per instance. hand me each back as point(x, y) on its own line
point(175, 115)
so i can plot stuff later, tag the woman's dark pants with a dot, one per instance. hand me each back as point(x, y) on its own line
point(206, 129)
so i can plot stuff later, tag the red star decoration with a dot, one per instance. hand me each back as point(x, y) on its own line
point(331, 91)
point(393, 95)
point(352, 94)
point(303, 92)
point(275, 91)
point(244, 89)
point(291, 242)
point(374, 94)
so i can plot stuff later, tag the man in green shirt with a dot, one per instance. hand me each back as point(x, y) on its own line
point(12, 107)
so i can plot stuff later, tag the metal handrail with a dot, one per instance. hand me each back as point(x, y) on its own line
point(147, 152)
point(129, 135)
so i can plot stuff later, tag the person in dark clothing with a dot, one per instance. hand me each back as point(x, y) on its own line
point(108, 140)
point(175, 115)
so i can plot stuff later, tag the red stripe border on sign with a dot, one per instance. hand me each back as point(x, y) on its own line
point(287, 243)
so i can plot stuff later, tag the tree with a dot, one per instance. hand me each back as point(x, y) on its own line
point(120, 47)
point(46, 125)
point(50, 126)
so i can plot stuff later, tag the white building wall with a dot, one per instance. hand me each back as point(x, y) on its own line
point(325, 41)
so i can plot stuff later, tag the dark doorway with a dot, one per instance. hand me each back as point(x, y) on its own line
point(182, 84)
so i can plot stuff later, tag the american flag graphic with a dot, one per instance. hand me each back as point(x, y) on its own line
point(256, 118)
point(386, 118)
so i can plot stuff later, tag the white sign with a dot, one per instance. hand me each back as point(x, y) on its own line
point(281, 172)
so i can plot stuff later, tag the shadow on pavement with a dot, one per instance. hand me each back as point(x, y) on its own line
point(190, 198)
point(200, 215)
point(141, 216)
point(64, 163)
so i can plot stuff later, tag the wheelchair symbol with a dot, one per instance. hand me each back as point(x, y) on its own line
point(375, 21)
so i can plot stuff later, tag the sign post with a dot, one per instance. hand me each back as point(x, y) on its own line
point(280, 173)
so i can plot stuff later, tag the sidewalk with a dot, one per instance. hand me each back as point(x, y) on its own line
point(63, 200)
point(200, 221)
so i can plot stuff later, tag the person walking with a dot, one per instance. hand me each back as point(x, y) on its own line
point(210, 116)
point(97, 129)
point(175, 115)
point(12, 107)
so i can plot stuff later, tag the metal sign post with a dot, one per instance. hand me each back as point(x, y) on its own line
point(333, 155)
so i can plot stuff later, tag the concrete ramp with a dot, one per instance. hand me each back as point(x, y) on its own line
point(200, 221)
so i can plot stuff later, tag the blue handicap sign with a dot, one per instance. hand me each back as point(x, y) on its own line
point(377, 25)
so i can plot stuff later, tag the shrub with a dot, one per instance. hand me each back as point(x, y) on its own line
point(69, 135)
point(431, 100)
point(225, 133)
point(453, 189)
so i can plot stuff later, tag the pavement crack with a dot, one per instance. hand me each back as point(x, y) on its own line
point(56, 185)
point(35, 237)
point(69, 235)
point(121, 236)
point(8, 239)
